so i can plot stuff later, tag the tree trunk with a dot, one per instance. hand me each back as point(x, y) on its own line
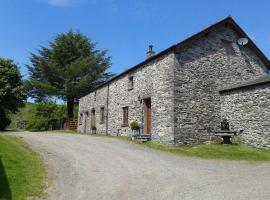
point(70, 106)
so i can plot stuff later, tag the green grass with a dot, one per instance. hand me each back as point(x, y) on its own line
point(205, 151)
point(26, 113)
point(209, 151)
point(22, 174)
point(215, 151)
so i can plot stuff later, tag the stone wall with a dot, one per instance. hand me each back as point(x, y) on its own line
point(248, 112)
point(201, 69)
point(153, 80)
point(95, 101)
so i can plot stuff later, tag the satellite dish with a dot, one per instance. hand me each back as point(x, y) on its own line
point(242, 41)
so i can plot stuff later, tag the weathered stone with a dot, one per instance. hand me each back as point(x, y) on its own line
point(184, 85)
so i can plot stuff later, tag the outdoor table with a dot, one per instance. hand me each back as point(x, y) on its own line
point(226, 136)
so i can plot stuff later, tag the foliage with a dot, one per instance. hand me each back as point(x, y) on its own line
point(69, 68)
point(4, 120)
point(26, 115)
point(22, 174)
point(38, 124)
point(134, 125)
point(12, 93)
point(93, 127)
point(46, 112)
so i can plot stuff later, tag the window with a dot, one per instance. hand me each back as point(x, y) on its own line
point(125, 116)
point(95, 96)
point(130, 82)
point(102, 115)
point(80, 119)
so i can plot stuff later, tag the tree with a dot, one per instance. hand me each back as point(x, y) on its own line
point(68, 69)
point(12, 93)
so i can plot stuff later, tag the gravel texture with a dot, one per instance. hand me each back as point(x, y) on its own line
point(85, 167)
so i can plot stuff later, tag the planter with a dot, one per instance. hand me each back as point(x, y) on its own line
point(135, 132)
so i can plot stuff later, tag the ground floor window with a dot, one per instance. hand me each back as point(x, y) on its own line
point(125, 116)
point(102, 115)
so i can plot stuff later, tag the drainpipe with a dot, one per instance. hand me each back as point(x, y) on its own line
point(107, 117)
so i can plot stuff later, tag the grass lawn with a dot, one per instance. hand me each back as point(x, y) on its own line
point(22, 174)
point(208, 151)
point(215, 151)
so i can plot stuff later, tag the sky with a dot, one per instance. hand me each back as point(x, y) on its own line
point(125, 28)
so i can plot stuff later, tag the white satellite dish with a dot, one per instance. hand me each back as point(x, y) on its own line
point(242, 41)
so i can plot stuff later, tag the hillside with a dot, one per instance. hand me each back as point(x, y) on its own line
point(27, 114)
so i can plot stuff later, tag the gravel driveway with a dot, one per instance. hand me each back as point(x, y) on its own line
point(88, 168)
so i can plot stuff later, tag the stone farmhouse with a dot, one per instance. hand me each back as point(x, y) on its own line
point(181, 94)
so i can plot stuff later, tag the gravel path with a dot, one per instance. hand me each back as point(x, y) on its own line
point(88, 168)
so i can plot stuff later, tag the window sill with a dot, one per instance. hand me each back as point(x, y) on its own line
point(124, 125)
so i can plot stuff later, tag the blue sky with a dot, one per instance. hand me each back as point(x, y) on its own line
point(124, 27)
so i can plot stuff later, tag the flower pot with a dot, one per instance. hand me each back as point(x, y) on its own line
point(135, 132)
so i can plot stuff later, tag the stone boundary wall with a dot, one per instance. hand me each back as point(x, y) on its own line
point(248, 112)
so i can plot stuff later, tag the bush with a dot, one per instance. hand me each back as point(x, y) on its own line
point(4, 120)
point(38, 124)
point(134, 125)
point(93, 127)
point(46, 112)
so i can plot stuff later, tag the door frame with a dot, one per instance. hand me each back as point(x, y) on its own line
point(147, 116)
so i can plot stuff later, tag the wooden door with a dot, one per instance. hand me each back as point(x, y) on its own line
point(147, 103)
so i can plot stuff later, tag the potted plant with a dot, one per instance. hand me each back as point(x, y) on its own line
point(94, 129)
point(135, 128)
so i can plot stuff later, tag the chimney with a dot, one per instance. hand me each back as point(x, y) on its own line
point(150, 52)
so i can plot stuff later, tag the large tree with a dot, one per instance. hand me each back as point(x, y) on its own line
point(12, 93)
point(68, 68)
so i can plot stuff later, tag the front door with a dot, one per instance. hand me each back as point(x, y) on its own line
point(147, 116)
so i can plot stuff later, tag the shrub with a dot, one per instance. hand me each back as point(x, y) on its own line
point(134, 125)
point(38, 124)
point(93, 127)
point(4, 120)
point(46, 112)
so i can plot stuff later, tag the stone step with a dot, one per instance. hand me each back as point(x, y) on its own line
point(143, 138)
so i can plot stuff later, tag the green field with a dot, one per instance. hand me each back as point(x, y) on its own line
point(22, 174)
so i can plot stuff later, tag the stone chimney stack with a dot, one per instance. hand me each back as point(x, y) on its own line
point(150, 52)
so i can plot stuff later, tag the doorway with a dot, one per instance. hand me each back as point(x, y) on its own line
point(147, 116)
point(93, 118)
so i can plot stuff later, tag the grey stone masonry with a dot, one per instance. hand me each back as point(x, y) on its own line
point(155, 81)
point(248, 112)
point(183, 84)
point(202, 68)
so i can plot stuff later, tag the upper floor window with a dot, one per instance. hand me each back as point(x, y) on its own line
point(130, 82)
point(125, 116)
point(102, 115)
point(95, 96)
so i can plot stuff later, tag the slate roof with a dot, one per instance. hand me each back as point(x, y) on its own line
point(265, 79)
point(227, 21)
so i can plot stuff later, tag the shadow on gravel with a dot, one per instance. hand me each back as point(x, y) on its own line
point(5, 192)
